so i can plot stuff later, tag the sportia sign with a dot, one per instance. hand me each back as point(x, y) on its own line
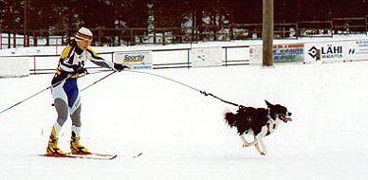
point(135, 59)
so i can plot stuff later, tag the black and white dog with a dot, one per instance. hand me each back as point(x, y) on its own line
point(258, 122)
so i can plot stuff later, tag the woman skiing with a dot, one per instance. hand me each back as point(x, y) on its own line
point(65, 90)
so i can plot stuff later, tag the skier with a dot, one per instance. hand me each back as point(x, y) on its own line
point(65, 91)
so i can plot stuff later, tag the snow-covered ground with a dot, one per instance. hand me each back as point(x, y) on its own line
point(182, 133)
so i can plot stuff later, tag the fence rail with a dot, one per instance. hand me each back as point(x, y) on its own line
point(46, 63)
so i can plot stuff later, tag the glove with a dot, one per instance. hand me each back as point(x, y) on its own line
point(120, 67)
point(79, 69)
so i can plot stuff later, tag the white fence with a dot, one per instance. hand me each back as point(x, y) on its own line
point(230, 54)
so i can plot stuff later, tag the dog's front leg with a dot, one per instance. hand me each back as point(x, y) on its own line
point(261, 148)
point(245, 142)
point(258, 148)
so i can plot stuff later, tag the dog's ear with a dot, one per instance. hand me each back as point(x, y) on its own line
point(268, 103)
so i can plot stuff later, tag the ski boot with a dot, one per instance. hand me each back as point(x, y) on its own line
point(75, 147)
point(52, 147)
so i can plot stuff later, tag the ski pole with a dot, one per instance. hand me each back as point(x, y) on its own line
point(94, 82)
point(49, 87)
point(98, 71)
point(26, 99)
point(98, 80)
point(35, 94)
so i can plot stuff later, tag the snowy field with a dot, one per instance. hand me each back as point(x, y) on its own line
point(182, 133)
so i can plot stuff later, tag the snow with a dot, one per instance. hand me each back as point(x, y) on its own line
point(182, 133)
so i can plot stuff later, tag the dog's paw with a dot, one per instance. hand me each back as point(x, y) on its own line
point(245, 145)
point(263, 153)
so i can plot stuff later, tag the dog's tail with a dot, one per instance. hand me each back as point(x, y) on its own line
point(230, 118)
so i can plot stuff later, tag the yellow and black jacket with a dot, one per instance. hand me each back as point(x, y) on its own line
point(72, 59)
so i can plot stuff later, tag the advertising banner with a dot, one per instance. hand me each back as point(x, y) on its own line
point(326, 52)
point(281, 53)
point(207, 56)
point(255, 54)
point(357, 50)
point(135, 59)
point(288, 53)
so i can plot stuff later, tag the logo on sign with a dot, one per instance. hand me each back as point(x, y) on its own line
point(134, 58)
point(326, 52)
point(331, 51)
point(351, 51)
point(313, 52)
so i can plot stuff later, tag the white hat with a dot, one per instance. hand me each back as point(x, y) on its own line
point(84, 34)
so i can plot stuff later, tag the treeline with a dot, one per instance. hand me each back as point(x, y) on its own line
point(71, 14)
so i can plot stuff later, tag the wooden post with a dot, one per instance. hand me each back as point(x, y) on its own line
point(154, 36)
point(99, 36)
point(267, 32)
point(9, 40)
point(132, 39)
point(163, 38)
point(14, 39)
point(25, 37)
